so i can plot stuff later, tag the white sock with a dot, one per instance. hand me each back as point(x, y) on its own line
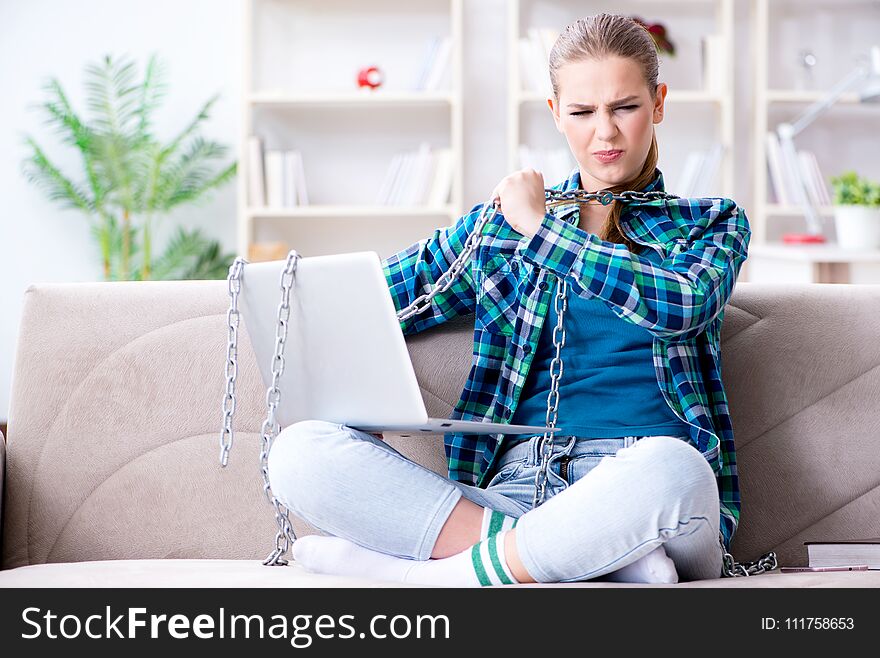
point(655, 567)
point(495, 522)
point(481, 564)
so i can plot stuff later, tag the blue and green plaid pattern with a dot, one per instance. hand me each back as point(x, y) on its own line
point(511, 281)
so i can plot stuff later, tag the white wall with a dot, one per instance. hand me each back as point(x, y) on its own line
point(201, 42)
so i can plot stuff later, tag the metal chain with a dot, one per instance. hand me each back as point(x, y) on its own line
point(557, 198)
point(546, 447)
point(730, 568)
point(232, 321)
point(445, 280)
point(285, 536)
point(553, 198)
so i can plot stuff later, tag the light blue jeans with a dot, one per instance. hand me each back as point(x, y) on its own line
point(619, 499)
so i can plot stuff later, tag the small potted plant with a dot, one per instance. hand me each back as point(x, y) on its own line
point(856, 211)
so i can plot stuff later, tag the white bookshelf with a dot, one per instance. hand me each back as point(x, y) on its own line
point(781, 28)
point(299, 92)
point(690, 105)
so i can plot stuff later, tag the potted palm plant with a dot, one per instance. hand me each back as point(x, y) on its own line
point(131, 179)
point(856, 211)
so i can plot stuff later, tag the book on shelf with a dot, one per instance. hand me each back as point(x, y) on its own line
point(824, 193)
point(698, 174)
point(439, 66)
point(712, 51)
point(689, 172)
point(441, 184)
point(274, 179)
point(417, 178)
point(427, 63)
point(844, 552)
point(528, 79)
point(288, 194)
point(704, 185)
point(408, 191)
point(256, 177)
point(534, 59)
point(547, 37)
point(783, 174)
point(812, 175)
point(285, 179)
point(299, 179)
point(401, 180)
point(421, 176)
point(384, 193)
point(778, 172)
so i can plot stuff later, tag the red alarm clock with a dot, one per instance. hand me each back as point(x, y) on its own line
point(370, 77)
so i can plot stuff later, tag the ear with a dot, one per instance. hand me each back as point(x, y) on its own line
point(660, 103)
point(554, 110)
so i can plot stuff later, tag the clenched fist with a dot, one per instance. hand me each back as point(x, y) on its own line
point(522, 201)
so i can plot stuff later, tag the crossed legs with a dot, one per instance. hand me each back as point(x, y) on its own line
point(658, 492)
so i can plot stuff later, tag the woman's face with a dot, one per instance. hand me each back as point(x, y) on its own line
point(605, 105)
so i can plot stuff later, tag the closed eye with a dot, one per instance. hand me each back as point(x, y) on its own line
point(625, 107)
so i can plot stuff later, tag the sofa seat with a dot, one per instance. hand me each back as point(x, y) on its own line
point(252, 573)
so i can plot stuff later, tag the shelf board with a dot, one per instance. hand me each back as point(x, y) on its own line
point(777, 210)
point(822, 253)
point(674, 96)
point(351, 99)
point(793, 96)
point(316, 210)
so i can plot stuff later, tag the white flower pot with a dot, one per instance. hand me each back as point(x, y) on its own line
point(858, 227)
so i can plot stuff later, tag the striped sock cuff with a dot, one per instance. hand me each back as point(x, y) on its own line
point(495, 522)
point(489, 561)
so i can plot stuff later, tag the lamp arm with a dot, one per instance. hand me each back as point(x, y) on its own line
point(817, 108)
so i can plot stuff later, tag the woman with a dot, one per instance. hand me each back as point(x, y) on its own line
point(645, 476)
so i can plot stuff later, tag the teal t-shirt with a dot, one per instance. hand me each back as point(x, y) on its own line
point(609, 388)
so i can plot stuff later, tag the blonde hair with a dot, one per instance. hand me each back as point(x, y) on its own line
point(599, 37)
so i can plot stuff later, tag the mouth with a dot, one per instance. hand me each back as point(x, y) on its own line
point(607, 156)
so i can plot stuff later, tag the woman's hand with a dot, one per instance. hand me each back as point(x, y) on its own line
point(521, 195)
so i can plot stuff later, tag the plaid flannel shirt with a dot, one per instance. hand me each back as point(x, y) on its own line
point(510, 282)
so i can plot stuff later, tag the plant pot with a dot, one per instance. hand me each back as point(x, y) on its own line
point(858, 227)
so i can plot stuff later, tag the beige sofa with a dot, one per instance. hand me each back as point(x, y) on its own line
point(112, 475)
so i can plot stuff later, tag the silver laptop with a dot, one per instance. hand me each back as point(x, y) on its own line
point(345, 357)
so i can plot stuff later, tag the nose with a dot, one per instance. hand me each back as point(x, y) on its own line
point(606, 127)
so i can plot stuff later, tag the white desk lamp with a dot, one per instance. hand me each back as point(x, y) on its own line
point(867, 77)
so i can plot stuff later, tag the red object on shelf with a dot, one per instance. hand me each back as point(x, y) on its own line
point(371, 77)
point(803, 238)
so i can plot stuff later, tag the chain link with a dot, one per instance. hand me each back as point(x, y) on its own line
point(553, 198)
point(232, 321)
point(285, 536)
point(556, 369)
point(731, 568)
point(445, 280)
